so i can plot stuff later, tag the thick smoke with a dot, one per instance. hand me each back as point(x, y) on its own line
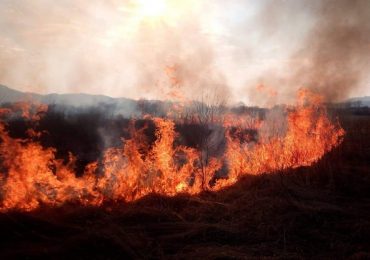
point(179, 63)
point(333, 58)
point(336, 54)
point(108, 47)
point(256, 51)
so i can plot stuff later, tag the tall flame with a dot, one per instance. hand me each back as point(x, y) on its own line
point(32, 176)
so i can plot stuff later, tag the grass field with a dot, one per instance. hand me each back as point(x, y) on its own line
point(321, 211)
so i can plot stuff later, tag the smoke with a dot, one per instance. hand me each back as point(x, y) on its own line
point(337, 51)
point(194, 49)
point(180, 62)
point(117, 48)
point(333, 58)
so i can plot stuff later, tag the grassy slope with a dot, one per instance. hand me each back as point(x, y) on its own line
point(319, 211)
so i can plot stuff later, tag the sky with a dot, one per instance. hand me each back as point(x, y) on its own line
point(257, 52)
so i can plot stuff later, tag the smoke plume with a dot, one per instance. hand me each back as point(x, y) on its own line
point(334, 56)
point(253, 51)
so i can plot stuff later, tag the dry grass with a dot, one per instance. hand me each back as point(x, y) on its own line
point(321, 211)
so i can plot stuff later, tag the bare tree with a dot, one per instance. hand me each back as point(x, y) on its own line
point(209, 111)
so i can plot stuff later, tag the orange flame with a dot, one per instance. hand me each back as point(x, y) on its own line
point(34, 177)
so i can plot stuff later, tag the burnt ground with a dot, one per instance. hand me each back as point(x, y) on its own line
point(322, 211)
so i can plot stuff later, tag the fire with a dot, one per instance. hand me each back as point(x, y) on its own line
point(32, 176)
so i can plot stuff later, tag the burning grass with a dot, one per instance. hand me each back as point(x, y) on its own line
point(312, 211)
point(34, 176)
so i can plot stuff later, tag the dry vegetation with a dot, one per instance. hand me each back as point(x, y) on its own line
point(318, 211)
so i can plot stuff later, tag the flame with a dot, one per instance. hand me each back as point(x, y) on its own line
point(32, 176)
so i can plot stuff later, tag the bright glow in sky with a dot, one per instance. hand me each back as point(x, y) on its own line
point(125, 47)
point(152, 8)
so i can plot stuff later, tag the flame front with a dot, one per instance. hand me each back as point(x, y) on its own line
point(32, 176)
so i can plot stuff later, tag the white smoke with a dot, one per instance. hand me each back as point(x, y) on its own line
point(110, 47)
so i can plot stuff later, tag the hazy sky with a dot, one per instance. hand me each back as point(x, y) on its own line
point(163, 48)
